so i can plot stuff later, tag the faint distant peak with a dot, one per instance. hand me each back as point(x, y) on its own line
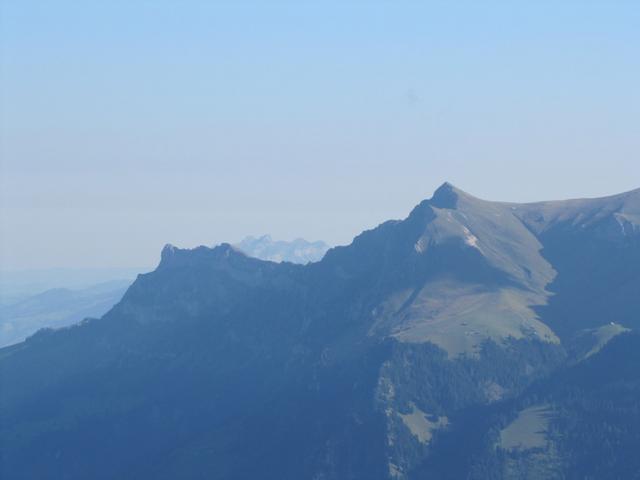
point(296, 251)
point(261, 238)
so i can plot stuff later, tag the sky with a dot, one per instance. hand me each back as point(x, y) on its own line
point(125, 125)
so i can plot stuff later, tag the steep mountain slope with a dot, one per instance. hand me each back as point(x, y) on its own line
point(594, 245)
point(481, 273)
point(364, 365)
point(583, 421)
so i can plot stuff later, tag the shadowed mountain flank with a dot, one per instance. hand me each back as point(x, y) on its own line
point(594, 245)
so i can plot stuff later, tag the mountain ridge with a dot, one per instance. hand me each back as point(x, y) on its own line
point(363, 365)
point(504, 250)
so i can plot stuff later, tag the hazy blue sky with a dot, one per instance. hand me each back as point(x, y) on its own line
point(126, 125)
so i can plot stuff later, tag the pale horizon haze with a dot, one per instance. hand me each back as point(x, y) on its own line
point(128, 125)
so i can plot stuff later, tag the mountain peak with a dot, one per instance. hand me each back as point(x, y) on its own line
point(167, 252)
point(174, 256)
point(446, 196)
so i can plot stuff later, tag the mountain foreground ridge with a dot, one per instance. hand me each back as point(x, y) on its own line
point(374, 362)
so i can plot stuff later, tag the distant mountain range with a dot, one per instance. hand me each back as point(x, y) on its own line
point(17, 285)
point(296, 251)
point(57, 307)
point(473, 339)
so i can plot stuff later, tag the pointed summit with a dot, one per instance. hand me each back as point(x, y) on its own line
point(449, 196)
point(446, 196)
